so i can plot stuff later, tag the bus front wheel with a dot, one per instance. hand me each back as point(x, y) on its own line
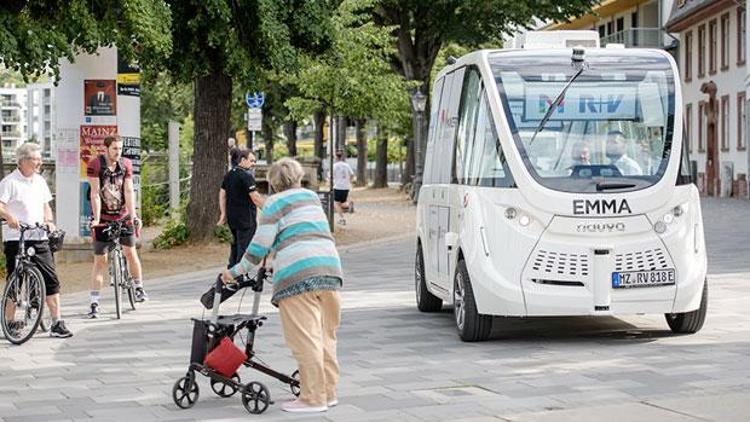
point(472, 326)
point(426, 301)
point(690, 322)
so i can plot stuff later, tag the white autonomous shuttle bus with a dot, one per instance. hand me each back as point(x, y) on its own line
point(556, 183)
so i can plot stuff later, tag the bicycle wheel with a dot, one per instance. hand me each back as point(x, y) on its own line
point(115, 271)
point(22, 305)
point(129, 286)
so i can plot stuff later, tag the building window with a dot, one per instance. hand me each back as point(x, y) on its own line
point(725, 42)
point(702, 126)
point(725, 123)
point(741, 134)
point(741, 34)
point(620, 24)
point(689, 126)
point(602, 31)
point(687, 66)
point(701, 51)
point(712, 47)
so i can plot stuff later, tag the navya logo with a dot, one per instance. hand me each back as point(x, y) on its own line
point(600, 206)
point(600, 227)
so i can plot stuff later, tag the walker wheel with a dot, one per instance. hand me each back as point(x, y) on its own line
point(223, 389)
point(185, 392)
point(295, 388)
point(255, 397)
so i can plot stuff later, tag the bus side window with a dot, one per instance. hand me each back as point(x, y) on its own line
point(487, 166)
point(466, 127)
point(436, 128)
point(447, 136)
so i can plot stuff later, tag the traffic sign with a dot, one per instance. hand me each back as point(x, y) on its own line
point(255, 99)
point(254, 119)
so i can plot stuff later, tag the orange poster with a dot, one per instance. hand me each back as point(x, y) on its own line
point(92, 143)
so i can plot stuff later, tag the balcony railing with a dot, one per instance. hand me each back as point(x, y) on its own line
point(11, 134)
point(10, 104)
point(636, 37)
point(11, 119)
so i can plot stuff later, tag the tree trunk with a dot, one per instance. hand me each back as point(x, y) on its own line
point(381, 161)
point(409, 169)
point(268, 139)
point(362, 152)
point(213, 96)
point(319, 117)
point(341, 133)
point(290, 131)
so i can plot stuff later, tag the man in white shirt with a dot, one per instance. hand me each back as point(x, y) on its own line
point(616, 153)
point(24, 198)
point(342, 184)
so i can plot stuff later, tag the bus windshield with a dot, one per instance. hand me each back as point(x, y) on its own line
point(612, 131)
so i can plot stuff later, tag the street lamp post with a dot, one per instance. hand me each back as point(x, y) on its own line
point(418, 103)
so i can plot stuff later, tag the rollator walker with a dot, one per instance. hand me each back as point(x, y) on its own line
point(215, 355)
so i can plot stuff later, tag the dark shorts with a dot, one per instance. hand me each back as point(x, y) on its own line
point(340, 195)
point(102, 240)
point(43, 259)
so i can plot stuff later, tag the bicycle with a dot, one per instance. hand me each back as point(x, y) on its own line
point(25, 291)
point(118, 269)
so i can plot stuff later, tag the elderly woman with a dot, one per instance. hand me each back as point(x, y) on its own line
point(307, 277)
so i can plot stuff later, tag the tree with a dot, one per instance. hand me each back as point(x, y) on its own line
point(35, 34)
point(422, 28)
point(354, 78)
point(216, 42)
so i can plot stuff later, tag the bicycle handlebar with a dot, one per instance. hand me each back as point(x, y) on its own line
point(22, 227)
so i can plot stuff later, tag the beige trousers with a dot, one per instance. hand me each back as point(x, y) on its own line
point(310, 321)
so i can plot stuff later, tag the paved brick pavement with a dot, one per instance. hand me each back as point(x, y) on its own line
point(399, 364)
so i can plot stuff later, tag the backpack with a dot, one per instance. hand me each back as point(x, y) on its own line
point(103, 169)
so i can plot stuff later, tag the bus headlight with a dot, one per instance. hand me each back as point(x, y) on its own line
point(524, 220)
point(510, 213)
point(678, 210)
point(31, 251)
point(660, 227)
point(668, 218)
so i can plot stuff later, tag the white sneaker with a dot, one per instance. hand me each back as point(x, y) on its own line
point(333, 403)
point(298, 406)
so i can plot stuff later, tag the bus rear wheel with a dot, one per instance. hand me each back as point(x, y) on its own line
point(471, 325)
point(690, 322)
point(426, 301)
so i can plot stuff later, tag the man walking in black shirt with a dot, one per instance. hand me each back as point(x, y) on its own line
point(238, 204)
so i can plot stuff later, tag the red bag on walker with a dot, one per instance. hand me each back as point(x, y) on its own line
point(226, 358)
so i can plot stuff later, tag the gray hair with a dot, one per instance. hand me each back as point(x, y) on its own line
point(285, 174)
point(24, 151)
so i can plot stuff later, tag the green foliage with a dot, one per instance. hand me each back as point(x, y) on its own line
point(153, 206)
point(175, 233)
point(223, 234)
point(354, 77)
point(35, 34)
point(162, 99)
point(396, 149)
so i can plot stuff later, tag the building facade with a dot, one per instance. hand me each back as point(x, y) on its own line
point(634, 23)
point(13, 124)
point(40, 115)
point(712, 60)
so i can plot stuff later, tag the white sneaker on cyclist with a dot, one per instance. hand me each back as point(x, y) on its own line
point(94, 312)
point(59, 330)
point(140, 295)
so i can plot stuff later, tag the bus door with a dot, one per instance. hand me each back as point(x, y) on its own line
point(441, 212)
